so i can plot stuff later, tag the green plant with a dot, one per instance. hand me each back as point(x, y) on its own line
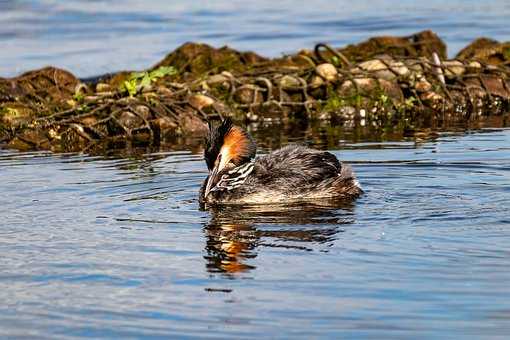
point(333, 103)
point(383, 98)
point(143, 79)
point(409, 102)
point(78, 96)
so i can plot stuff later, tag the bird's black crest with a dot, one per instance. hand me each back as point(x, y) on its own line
point(215, 139)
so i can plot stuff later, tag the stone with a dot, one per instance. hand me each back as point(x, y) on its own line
point(88, 121)
point(378, 68)
point(423, 85)
point(218, 80)
point(495, 86)
point(200, 101)
point(165, 123)
point(399, 68)
point(103, 87)
point(143, 111)
point(164, 91)
point(130, 120)
point(316, 82)
point(327, 71)
point(431, 97)
point(453, 68)
point(289, 82)
point(248, 94)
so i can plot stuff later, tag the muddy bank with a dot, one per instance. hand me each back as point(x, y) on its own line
point(386, 84)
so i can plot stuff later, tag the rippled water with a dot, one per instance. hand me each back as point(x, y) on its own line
point(116, 247)
point(95, 37)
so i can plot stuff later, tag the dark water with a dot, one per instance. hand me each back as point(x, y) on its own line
point(117, 248)
point(96, 37)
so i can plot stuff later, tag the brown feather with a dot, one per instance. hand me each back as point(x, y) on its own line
point(237, 145)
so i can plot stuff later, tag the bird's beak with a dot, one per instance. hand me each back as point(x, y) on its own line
point(213, 178)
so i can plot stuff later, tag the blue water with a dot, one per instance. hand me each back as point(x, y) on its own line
point(96, 37)
point(116, 247)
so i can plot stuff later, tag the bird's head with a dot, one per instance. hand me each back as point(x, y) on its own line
point(227, 146)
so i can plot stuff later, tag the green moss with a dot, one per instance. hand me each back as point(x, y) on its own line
point(506, 53)
point(9, 112)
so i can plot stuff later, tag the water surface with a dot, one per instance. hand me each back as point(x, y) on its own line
point(96, 37)
point(116, 247)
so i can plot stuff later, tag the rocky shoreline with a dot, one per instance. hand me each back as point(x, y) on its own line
point(388, 83)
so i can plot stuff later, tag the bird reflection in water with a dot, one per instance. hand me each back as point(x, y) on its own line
point(234, 233)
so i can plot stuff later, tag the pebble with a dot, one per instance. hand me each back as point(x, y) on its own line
point(327, 71)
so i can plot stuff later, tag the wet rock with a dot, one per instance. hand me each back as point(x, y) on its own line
point(30, 140)
point(495, 86)
point(190, 124)
point(165, 123)
point(474, 87)
point(18, 144)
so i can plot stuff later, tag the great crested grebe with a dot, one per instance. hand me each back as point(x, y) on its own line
point(292, 173)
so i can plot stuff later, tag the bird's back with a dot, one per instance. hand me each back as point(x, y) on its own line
point(295, 173)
